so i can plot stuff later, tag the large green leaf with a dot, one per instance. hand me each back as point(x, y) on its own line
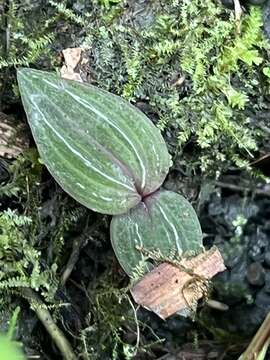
point(164, 221)
point(103, 151)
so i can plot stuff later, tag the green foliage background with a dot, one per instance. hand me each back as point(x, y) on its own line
point(182, 62)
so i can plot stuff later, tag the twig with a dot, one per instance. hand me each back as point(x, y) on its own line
point(45, 317)
point(217, 305)
point(258, 342)
point(242, 188)
point(78, 244)
point(8, 6)
point(137, 324)
point(238, 13)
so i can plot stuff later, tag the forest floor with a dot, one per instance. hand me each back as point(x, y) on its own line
point(203, 77)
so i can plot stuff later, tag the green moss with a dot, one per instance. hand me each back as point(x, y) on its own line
point(20, 261)
point(194, 42)
point(201, 80)
point(112, 320)
point(25, 232)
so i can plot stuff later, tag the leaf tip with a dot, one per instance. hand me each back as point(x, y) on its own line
point(22, 71)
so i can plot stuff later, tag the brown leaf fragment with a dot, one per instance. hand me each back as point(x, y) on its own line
point(170, 288)
point(72, 58)
point(13, 137)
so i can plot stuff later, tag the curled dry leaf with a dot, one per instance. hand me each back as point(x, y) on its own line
point(169, 289)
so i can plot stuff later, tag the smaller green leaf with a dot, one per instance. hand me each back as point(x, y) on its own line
point(164, 221)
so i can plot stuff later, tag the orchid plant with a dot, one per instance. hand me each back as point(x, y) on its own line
point(111, 158)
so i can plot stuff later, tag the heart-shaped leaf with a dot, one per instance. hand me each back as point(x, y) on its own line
point(103, 151)
point(164, 221)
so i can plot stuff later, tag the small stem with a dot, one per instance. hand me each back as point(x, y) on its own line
point(45, 317)
point(78, 244)
point(238, 12)
point(259, 340)
point(13, 323)
point(137, 324)
point(8, 6)
point(242, 188)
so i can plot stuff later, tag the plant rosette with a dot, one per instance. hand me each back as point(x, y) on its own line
point(111, 158)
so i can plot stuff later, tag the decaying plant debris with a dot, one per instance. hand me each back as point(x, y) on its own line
point(171, 288)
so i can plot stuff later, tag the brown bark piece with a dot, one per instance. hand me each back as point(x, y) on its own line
point(167, 289)
point(13, 137)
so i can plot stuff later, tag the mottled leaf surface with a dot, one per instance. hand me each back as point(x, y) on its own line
point(103, 151)
point(164, 221)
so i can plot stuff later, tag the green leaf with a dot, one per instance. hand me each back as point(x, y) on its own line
point(103, 151)
point(9, 350)
point(164, 221)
